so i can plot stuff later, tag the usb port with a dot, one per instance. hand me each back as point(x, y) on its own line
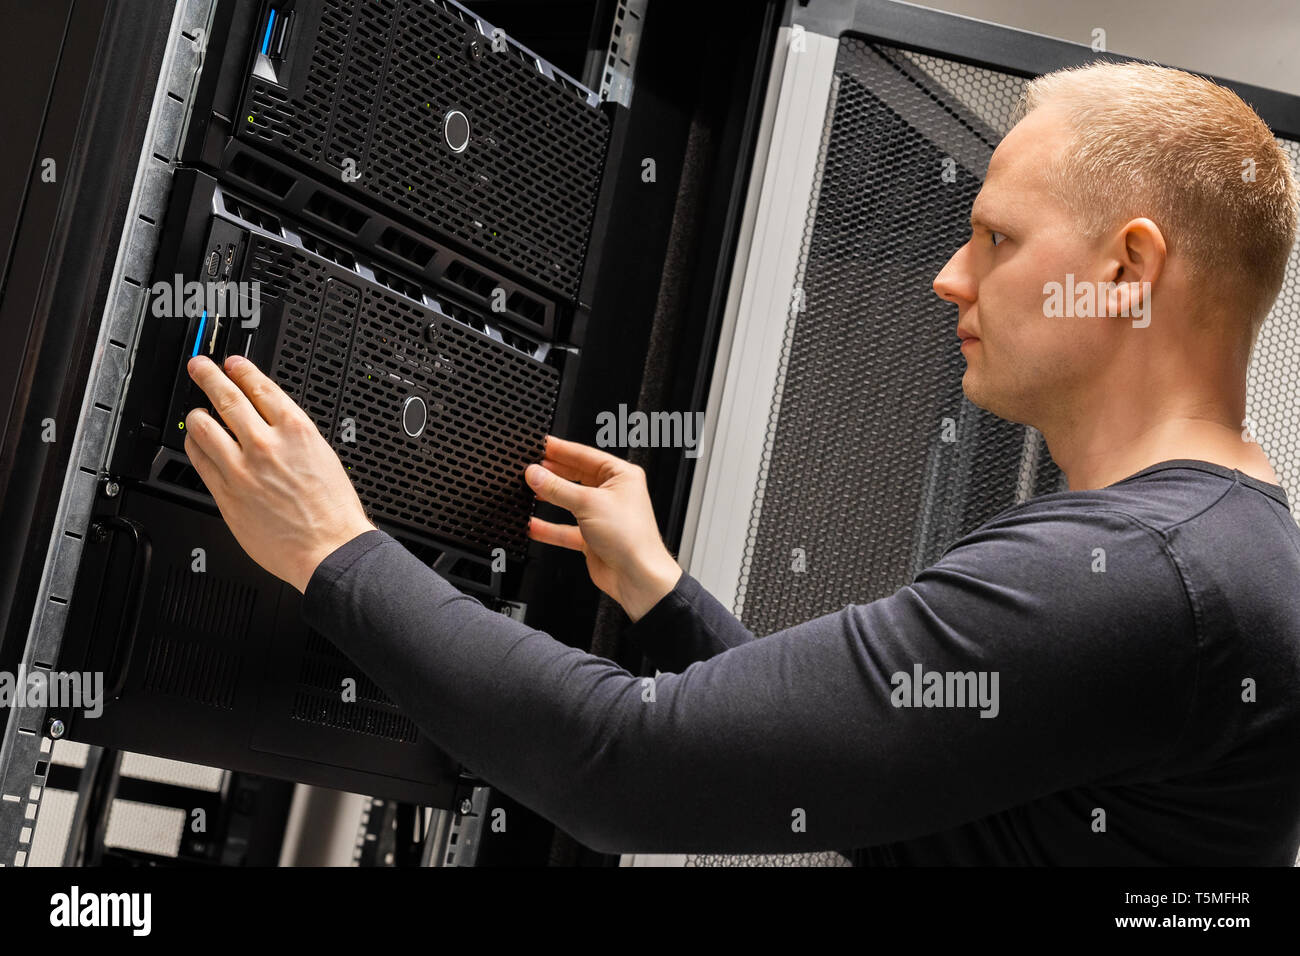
point(276, 34)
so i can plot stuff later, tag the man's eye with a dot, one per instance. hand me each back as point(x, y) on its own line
point(997, 237)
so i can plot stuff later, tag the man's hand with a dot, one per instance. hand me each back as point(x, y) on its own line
point(616, 529)
point(279, 485)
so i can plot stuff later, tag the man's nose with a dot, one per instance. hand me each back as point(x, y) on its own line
point(955, 282)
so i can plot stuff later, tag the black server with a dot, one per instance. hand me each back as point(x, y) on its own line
point(442, 245)
point(387, 206)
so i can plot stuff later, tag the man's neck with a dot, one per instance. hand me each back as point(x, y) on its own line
point(1097, 460)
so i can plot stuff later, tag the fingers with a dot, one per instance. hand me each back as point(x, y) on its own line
point(211, 439)
point(564, 471)
point(208, 470)
point(562, 535)
point(267, 397)
point(227, 400)
point(593, 465)
point(549, 486)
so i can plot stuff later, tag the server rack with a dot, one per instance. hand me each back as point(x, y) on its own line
point(192, 658)
point(662, 318)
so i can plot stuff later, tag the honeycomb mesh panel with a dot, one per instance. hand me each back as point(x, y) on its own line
point(871, 395)
point(352, 353)
point(383, 75)
point(1273, 380)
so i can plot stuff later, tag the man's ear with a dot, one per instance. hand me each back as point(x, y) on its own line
point(1137, 259)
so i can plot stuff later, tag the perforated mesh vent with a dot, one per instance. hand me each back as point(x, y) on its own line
point(871, 366)
point(382, 77)
point(1272, 393)
point(352, 353)
point(330, 710)
point(319, 699)
point(196, 647)
point(325, 667)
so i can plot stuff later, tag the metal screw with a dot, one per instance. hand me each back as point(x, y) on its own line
point(466, 806)
point(475, 50)
point(56, 728)
point(112, 488)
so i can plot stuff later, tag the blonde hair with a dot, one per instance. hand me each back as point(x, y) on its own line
point(1155, 142)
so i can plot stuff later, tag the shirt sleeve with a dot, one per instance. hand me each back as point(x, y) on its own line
point(829, 734)
point(688, 624)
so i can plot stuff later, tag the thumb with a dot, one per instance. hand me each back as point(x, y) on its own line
point(550, 487)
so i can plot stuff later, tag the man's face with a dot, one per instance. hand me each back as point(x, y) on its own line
point(1023, 364)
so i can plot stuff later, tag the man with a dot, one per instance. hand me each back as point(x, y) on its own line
point(1109, 674)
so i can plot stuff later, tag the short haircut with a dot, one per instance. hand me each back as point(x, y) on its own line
point(1190, 155)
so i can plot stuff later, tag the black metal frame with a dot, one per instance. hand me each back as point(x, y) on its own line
point(96, 115)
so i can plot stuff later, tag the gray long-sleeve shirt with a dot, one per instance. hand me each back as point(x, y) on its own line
point(1107, 676)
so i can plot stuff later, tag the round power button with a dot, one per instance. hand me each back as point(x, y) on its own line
point(455, 130)
point(414, 416)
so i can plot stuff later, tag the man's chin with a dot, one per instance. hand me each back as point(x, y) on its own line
point(982, 398)
point(971, 389)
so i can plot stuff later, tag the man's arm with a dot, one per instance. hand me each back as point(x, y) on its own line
point(797, 742)
point(687, 625)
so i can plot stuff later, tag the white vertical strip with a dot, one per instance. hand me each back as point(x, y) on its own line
point(728, 481)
